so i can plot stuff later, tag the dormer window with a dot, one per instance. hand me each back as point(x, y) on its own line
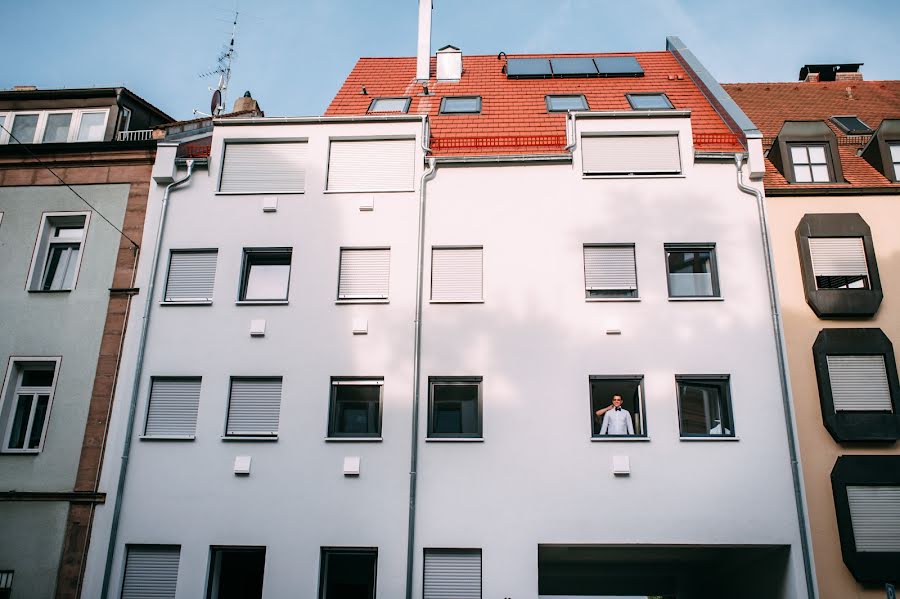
point(895, 159)
point(883, 150)
point(851, 125)
point(806, 152)
point(54, 126)
point(389, 105)
point(649, 101)
point(810, 163)
point(461, 105)
point(565, 103)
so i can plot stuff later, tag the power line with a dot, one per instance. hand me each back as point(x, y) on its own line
point(80, 197)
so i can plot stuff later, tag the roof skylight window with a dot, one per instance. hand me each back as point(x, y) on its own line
point(656, 101)
point(389, 105)
point(851, 125)
point(566, 103)
point(461, 105)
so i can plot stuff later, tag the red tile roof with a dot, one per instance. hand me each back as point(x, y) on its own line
point(769, 105)
point(514, 117)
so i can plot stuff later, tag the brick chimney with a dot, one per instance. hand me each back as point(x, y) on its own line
point(811, 78)
point(245, 103)
point(842, 76)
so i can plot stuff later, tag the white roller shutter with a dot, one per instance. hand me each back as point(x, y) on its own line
point(191, 277)
point(859, 383)
point(456, 274)
point(875, 514)
point(838, 256)
point(624, 154)
point(452, 574)
point(609, 268)
point(151, 572)
point(254, 407)
point(376, 165)
point(364, 273)
point(264, 168)
point(173, 407)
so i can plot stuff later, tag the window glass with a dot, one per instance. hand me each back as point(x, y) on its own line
point(692, 272)
point(266, 275)
point(564, 103)
point(610, 393)
point(461, 105)
point(348, 573)
point(389, 105)
point(895, 159)
point(810, 164)
point(703, 406)
point(23, 129)
point(57, 128)
point(455, 409)
point(30, 405)
point(649, 101)
point(355, 408)
point(61, 265)
point(92, 126)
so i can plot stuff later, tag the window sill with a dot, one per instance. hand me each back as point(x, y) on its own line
point(197, 303)
point(354, 439)
point(167, 437)
point(50, 291)
point(339, 191)
point(454, 439)
point(634, 176)
point(250, 438)
point(697, 299)
point(259, 193)
point(591, 300)
point(481, 301)
point(613, 438)
point(373, 300)
point(261, 303)
point(20, 451)
point(709, 438)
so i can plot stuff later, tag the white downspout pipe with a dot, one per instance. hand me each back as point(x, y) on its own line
point(135, 388)
point(789, 421)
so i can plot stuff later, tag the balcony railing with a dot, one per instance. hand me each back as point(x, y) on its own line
point(138, 135)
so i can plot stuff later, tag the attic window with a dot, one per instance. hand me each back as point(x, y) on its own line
point(389, 105)
point(851, 125)
point(461, 105)
point(649, 101)
point(566, 103)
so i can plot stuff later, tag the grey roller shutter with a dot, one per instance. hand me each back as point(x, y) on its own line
point(456, 274)
point(625, 154)
point(376, 165)
point(452, 574)
point(254, 407)
point(173, 407)
point(859, 383)
point(192, 276)
point(875, 514)
point(364, 273)
point(151, 572)
point(838, 256)
point(264, 168)
point(609, 268)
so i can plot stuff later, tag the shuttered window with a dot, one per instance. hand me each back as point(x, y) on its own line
point(372, 165)
point(151, 572)
point(264, 168)
point(859, 383)
point(452, 574)
point(609, 271)
point(626, 154)
point(839, 262)
point(173, 407)
point(875, 514)
point(364, 273)
point(456, 274)
point(192, 275)
point(254, 407)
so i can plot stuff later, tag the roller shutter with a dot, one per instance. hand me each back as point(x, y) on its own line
point(264, 168)
point(626, 154)
point(364, 273)
point(452, 574)
point(456, 274)
point(372, 165)
point(609, 268)
point(254, 407)
point(151, 572)
point(173, 407)
point(875, 513)
point(192, 276)
point(859, 383)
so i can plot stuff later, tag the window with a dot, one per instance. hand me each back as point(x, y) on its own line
point(454, 407)
point(371, 165)
point(638, 154)
point(253, 167)
point(355, 407)
point(151, 571)
point(254, 406)
point(456, 274)
point(565, 103)
point(57, 257)
point(649, 101)
point(55, 126)
point(6, 578)
point(389, 105)
point(236, 572)
point(692, 270)
point(895, 159)
point(124, 119)
point(172, 407)
point(810, 163)
point(461, 105)
point(266, 274)
point(839, 262)
point(347, 573)
point(364, 273)
point(882, 151)
point(27, 397)
point(57, 129)
point(704, 406)
point(192, 276)
point(24, 128)
point(851, 125)
point(629, 419)
point(452, 573)
point(609, 271)
point(92, 126)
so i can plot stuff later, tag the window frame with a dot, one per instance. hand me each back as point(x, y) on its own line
point(791, 146)
point(41, 253)
point(630, 97)
point(9, 397)
point(327, 551)
point(339, 381)
point(715, 283)
point(807, 133)
point(642, 406)
point(169, 437)
point(587, 173)
point(478, 381)
point(444, 101)
point(726, 404)
point(249, 254)
point(371, 110)
point(41, 125)
point(548, 100)
point(610, 298)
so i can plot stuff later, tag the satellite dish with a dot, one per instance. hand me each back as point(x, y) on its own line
point(216, 102)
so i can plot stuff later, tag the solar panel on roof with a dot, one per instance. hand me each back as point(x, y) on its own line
point(528, 67)
point(618, 66)
point(851, 125)
point(573, 67)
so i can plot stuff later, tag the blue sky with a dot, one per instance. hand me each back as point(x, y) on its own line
point(294, 54)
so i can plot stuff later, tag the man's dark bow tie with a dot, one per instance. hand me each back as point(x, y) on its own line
point(618, 409)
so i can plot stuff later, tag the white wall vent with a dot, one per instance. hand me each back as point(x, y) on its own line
point(242, 465)
point(351, 465)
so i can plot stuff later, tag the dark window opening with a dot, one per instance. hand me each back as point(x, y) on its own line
point(348, 573)
point(355, 408)
point(610, 422)
point(704, 407)
point(6, 578)
point(236, 572)
point(454, 407)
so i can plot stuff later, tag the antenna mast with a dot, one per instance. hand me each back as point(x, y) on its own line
point(223, 70)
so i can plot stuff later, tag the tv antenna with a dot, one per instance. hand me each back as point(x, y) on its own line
point(223, 70)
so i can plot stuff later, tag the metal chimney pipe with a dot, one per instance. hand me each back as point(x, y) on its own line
point(423, 55)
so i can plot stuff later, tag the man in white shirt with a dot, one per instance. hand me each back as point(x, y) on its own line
point(616, 419)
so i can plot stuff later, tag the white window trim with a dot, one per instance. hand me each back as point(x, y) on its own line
point(13, 375)
point(34, 273)
point(74, 124)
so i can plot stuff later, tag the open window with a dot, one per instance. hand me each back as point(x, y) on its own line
point(606, 420)
point(348, 573)
point(236, 572)
point(704, 406)
point(26, 401)
point(57, 255)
